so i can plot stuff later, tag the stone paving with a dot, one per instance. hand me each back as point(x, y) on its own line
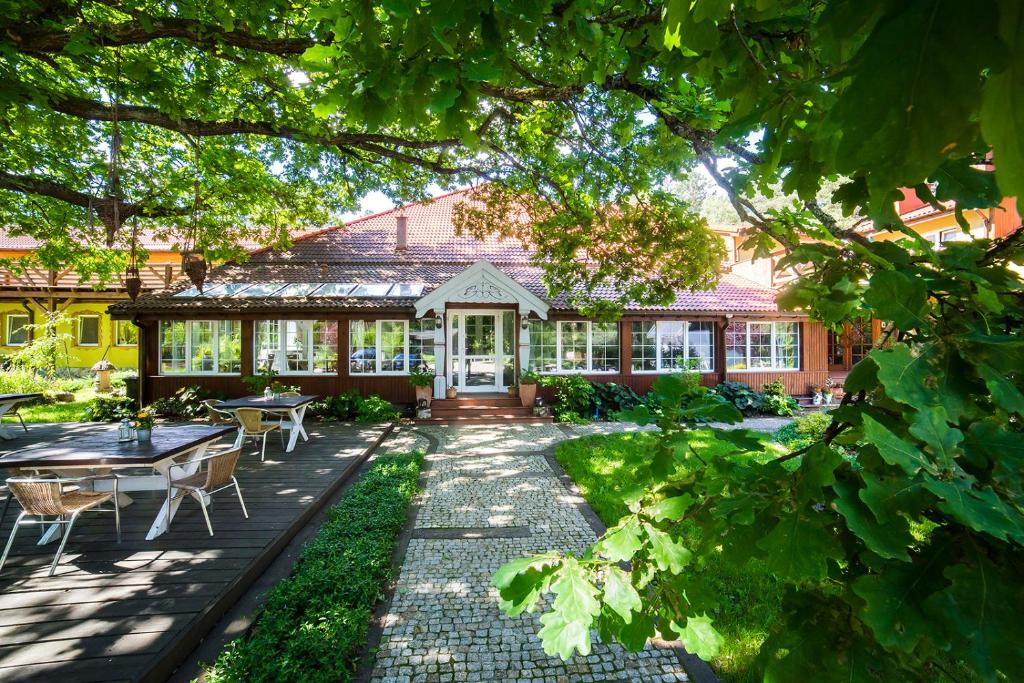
point(444, 623)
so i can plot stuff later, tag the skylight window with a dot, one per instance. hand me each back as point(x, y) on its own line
point(406, 289)
point(376, 289)
point(260, 290)
point(231, 289)
point(298, 289)
point(223, 289)
point(335, 289)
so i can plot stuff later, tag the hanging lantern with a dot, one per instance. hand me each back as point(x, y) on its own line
point(194, 265)
point(132, 282)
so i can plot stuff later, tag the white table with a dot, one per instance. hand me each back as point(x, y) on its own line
point(7, 402)
point(294, 407)
point(95, 449)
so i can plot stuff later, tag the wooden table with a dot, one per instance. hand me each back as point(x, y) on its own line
point(8, 401)
point(98, 449)
point(292, 406)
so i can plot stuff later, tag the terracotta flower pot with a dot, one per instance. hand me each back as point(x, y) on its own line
point(527, 393)
point(451, 393)
point(424, 394)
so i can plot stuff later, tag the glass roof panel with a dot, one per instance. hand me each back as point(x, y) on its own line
point(406, 289)
point(335, 289)
point(260, 290)
point(298, 289)
point(375, 289)
point(212, 289)
point(232, 289)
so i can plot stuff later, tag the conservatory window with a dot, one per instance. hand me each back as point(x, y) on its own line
point(762, 346)
point(200, 347)
point(296, 347)
point(573, 346)
point(673, 346)
point(383, 347)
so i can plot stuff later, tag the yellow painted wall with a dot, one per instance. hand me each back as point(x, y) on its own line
point(79, 357)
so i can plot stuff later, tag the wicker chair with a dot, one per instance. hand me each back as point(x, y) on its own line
point(217, 415)
point(218, 476)
point(284, 413)
point(252, 426)
point(46, 497)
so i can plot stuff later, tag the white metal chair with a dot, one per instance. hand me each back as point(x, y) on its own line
point(218, 476)
point(252, 426)
point(14, 412)
point(44, 497)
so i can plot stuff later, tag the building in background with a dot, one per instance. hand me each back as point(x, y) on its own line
point(28, 297)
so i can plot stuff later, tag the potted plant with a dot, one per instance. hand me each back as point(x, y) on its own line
point(826, 393)
point(451, 392)
point(143, 424)
point(423, 382)
point(528, 388)
point(513, 391)
point(276, 389)
point(815, 394)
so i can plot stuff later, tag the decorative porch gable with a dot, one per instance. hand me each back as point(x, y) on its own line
point(482, 283)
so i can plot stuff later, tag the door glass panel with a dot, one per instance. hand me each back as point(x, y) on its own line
point(455, 351)
point(508, 347)
point(480, 363)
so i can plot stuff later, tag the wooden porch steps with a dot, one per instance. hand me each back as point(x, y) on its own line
point(481, 408)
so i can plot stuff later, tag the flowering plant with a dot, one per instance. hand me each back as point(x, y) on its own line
point(143, 420)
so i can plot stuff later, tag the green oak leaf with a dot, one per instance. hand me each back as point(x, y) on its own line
point(885, 539)
point(621, 542)
point(668, 553)
point(699, 637)
point(895, 450)
point(566, 628)
point(982, 608)
point(670, 508)
point(620, 595)
point(931, 427)
point(1002, 104)
point(980, 508)
point(817, 470)
point(800, 545)
point(896, 296)
point(894, 606)
point(906, 375)
point(1004, 392)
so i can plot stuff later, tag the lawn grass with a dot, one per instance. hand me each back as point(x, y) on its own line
point(58, 412)
point(607, 469)
point(314, 623)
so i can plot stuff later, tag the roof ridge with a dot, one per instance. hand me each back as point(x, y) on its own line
point(362, 219)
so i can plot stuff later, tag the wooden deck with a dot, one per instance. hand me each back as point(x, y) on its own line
point(133, 611)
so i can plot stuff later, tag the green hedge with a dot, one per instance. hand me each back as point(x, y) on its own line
point(314, 623)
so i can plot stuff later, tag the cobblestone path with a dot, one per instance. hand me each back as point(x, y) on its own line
point(491, 496)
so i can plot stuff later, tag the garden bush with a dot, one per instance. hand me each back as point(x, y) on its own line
point(343, 406)
point(110, 408)
point(375, 409)
point(609, 398)
point(748, 401)
point(187, 402)
point(17, 380)
point(313, 623)
point(776, 401)
point(573, 397)
point(803, 431)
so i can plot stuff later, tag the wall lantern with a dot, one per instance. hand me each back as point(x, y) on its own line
point(524, 322)
point(438, 323)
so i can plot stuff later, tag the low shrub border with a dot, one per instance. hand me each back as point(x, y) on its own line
point(313, 623)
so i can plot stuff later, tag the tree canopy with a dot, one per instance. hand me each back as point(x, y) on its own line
point(899, 535)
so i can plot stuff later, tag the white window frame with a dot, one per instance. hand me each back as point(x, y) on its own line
point(215, 347)
point(7, 330)
point(78, 330)
point(589, 370)
point(686, 344)
point(775, 360)
point(117, 327)
point(377, 355)
point(282, 345)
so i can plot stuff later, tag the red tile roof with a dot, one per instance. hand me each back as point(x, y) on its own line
point(364, 251)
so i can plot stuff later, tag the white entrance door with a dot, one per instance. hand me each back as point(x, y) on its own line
point(481, 356)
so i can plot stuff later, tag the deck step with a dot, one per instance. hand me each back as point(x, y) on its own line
point(487, 419)
point(466, 401)
point(442, 411)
